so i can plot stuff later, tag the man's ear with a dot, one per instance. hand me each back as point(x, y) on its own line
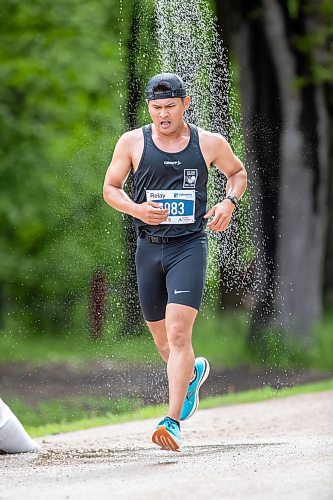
point(187, 101)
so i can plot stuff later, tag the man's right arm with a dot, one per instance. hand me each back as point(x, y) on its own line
point(115, 178)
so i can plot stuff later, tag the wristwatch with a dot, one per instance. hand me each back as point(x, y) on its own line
point(233, 199)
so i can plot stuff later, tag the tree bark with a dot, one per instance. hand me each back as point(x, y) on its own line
point(261, 119)
point(97, 309)
point(287, 147)
point(132, 324)
point(328, 271)
point(303, 184)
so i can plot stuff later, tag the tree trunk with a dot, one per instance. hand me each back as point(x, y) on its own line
point(328, 272)
point(303, 184)
point(261, 119)
point(132, 324)
point(97, 309)
point(288, 164)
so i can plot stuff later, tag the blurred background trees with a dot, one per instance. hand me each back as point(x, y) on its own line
point(284, 52)
point(67, 71)
point(61, 74)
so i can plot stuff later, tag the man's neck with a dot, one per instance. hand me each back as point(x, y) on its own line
point(179, 133)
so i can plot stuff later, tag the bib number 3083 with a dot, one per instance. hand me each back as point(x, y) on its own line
point(179, 203)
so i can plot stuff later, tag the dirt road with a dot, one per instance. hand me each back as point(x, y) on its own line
point(34, 383)
point(276, 449)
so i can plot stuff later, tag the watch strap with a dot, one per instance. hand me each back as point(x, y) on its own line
point(233, 199)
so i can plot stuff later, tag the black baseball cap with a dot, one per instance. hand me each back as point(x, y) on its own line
point(174, 87)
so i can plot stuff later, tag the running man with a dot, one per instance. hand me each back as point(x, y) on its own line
point(170, 160)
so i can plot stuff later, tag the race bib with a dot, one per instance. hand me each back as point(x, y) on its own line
point(179, 203)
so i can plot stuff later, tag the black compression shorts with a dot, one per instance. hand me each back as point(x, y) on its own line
point(172, 272)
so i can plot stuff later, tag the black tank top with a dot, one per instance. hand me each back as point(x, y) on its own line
point(181, 171)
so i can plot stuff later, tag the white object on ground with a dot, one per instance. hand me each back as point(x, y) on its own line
point(13, 436)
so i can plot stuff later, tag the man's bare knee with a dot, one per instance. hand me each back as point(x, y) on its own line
point(178, 337)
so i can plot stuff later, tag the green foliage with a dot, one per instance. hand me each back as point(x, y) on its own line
point(315, 42)
point(293, 8)
point(322, 354)
point(63, 88)
point(59, 119)
point(145, 58)
point(70, 409)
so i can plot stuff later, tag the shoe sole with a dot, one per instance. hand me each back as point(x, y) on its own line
point(164, 439)
point(201, 381)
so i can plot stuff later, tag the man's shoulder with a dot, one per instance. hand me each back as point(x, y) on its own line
point(130, 140)
point(132, 135)
point(210, 138)
point(208, 134)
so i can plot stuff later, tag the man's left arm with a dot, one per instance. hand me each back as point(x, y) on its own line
point(231, 166)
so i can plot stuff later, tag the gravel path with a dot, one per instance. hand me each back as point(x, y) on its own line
point(281, 448)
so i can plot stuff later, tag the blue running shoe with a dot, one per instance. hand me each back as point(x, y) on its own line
point(167, 435)
point(191, 402)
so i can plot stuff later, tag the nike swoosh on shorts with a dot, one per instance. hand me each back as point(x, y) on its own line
point(181, 291)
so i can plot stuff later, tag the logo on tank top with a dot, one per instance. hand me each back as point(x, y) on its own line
point(190, 177)
point(166, 162)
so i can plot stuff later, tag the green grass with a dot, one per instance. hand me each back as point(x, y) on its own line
point(322, 353)
point(74, 346)
point(221, 338)
point(158, 411)
point(70, 409)
point(264, 394)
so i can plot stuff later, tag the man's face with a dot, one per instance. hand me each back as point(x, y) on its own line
point(168, 114)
